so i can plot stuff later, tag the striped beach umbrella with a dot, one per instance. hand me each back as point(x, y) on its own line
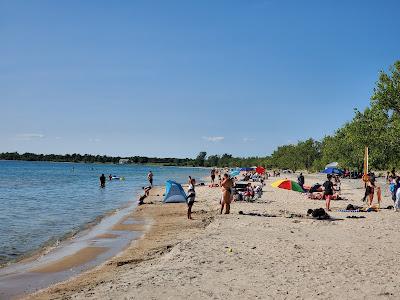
point(287, 184)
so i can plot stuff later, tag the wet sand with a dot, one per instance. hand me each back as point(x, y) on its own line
point(79, 258)
point(107, 236)
point(236, 256)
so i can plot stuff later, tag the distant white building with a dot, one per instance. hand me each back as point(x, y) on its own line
point(123, 161)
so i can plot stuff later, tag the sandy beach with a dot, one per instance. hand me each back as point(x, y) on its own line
point(285, 255)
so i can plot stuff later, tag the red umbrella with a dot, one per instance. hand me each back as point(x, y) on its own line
point(260, 170)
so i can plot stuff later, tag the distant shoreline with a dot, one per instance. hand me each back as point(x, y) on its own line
point(107, 163)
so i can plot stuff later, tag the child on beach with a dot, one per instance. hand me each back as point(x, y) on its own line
point(191, 195)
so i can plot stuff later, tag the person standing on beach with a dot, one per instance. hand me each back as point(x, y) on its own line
point(300, 180)
point(328, 192)
point(226, 185)
point(102, 181)
point(212, 177)
point(191, 195)
point(397, 196)
point(150, 178)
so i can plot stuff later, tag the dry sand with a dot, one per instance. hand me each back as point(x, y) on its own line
point(248, 257)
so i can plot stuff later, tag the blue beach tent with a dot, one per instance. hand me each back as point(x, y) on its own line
point(174, 193)
point(234, 173)
point(332, 171)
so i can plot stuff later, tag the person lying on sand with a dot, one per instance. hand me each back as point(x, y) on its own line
point(320, 196)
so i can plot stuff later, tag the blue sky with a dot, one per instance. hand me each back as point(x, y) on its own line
point(172, 78)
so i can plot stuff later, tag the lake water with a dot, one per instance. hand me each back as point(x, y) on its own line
point(43, 202)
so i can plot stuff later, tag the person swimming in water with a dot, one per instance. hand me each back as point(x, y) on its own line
point(226, 185)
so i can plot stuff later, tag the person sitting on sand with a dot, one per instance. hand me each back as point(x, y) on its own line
point(141, 199)
point(226, 185)
point(337, 182)
point(146, 190)
point(258, 191)
point(328, 191)
point(249, 191)
point(315, 196)
point(191, 195)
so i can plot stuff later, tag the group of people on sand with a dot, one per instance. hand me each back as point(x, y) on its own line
point(213, 174)
point(146, 189)
point(370, 188)
point(226, 184)
point(328, 191)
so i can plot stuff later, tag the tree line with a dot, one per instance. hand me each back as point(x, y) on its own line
point(88, 158)
point(378, 127)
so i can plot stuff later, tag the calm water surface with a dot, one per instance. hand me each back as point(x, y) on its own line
point(43, 202)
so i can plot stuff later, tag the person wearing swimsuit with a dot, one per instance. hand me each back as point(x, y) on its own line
point(212, 177)
point(191, 195)
point(226, 185)
point(150, 178)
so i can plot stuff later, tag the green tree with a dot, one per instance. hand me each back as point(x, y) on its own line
point(387, 90)
point(200, 159)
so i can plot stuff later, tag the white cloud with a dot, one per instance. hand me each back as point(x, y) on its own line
point(213, 139)
point(29, 136)
point(247, 139)
point(58, 138)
